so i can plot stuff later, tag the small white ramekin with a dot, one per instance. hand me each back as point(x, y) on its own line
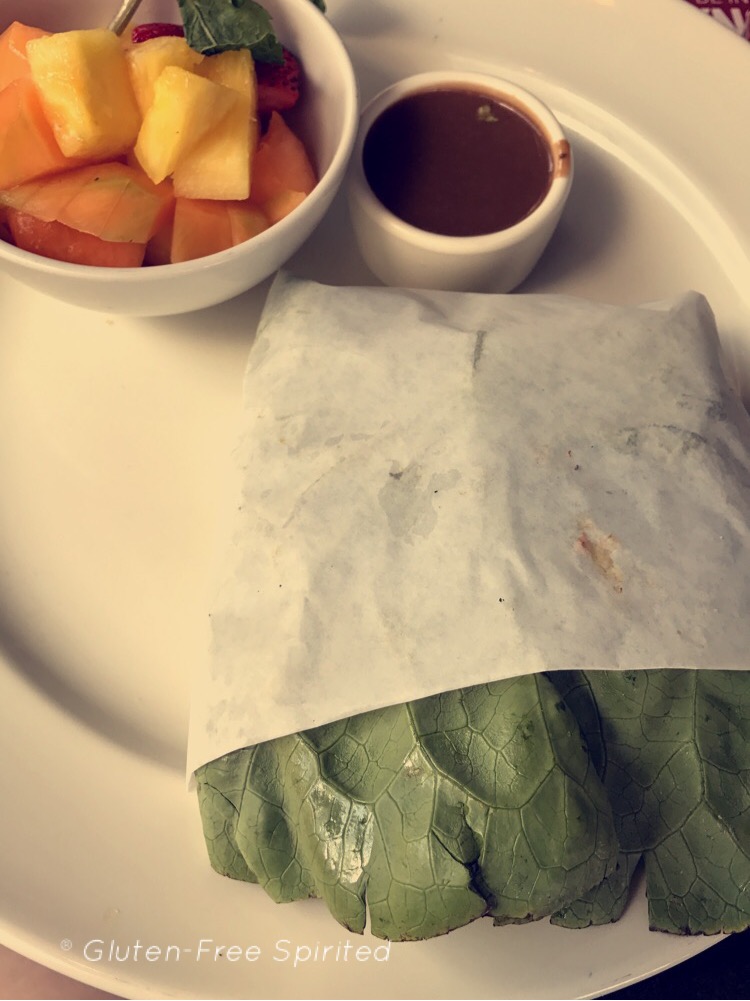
point(400, 254)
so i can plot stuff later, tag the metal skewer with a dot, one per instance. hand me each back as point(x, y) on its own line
point(123, 16)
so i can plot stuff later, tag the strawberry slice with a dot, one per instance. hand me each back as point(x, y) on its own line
point(278, 83)
point(144, 32)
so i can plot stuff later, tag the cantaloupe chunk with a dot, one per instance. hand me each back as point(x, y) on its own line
point(159, 247)
point(245, 221)
point(61, 243)
point(13, 62)
point(279, 206)
point(84, 86)
point(201, 227)
point(111, 201)
point(281, 163)
point(185, 107)
point(28, 148)
point(205, 226)
point(146, 60)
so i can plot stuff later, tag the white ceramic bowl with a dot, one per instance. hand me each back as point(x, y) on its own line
point(401, 254)
point(326, 119)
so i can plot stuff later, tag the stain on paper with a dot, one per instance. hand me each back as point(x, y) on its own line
point(601, 548)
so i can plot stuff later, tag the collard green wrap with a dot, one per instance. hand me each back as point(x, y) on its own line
point(521, 799)
point(454, 514)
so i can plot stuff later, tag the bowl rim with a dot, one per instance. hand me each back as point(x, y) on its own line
point(153, 273)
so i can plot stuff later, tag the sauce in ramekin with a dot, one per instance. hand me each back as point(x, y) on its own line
point(457, 161)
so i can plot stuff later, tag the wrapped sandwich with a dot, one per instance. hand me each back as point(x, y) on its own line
point(478, 643)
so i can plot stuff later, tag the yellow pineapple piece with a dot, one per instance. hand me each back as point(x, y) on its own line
point(84, 86)
point(185, 107)
point(220, 165)
point(234, 69)
point(146, 60)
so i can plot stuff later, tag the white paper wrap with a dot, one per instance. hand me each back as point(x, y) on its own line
point(442, 489)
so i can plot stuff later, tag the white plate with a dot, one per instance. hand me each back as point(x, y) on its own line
point(114, 438)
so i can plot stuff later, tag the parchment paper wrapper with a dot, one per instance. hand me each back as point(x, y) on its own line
point(443, 489)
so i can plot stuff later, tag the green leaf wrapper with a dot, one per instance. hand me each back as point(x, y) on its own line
point(672, 748)
point(522, 799)
point(478, 802)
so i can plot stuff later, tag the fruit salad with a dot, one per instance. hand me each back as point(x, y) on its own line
point(139, 150)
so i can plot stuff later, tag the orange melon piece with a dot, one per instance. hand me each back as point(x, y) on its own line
point(280, 205)
point(281, 163)
point(201, 227)
point(245, 221)
point(110, 200)
point(207, 226)
point(61, 243)
point(13, 62)
point(159, 247)
point(28, 148)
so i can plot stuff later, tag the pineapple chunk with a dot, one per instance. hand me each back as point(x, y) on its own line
point(220, 165)
point(234, 69)
point(83, 83)
point(185, 107)
point(147, 59)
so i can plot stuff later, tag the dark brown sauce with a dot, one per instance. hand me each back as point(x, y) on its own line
point(456, 161)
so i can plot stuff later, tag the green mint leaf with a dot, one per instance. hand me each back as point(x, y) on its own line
point(483, 801)
point(213, 26)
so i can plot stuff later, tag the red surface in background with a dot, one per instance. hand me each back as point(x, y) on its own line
point(733, 14)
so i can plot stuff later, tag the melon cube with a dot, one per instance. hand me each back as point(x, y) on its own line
point(245, 221)
point(4, 228)
point(202, 227)
point(159, 247)
point(281, 163)
point(28, 148)
point(281, 204)
point(13, 42)
point(111, 201)
point(83, 83)
point(146, 60)
point(62, 243)
point(185, 107)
